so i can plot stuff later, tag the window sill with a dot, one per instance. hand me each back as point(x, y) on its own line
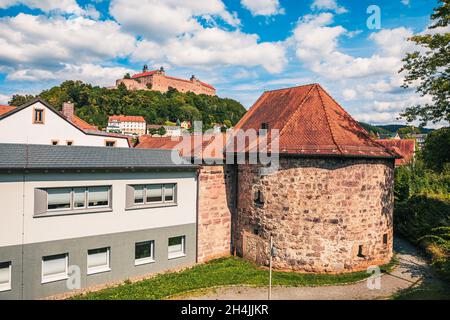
point(100, 270)
point(4, 289)
point(176, 256)
point(150, 206)
point(72, 212)
point(143, 262)
point(55, 279)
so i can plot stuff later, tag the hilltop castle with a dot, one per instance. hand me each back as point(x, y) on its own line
point(158, 81)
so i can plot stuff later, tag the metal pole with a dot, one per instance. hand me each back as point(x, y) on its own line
point(270, 269)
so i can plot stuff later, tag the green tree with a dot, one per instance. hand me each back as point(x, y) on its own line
point(436, 151)
point(430, 67)
point(127, 76)
point(162, 131)
point(408, 130)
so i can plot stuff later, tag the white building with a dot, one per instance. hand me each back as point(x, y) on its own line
point(129, 125)
point(37, 122)
point(83, 210)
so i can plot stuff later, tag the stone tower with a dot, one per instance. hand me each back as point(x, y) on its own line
point(329, 206)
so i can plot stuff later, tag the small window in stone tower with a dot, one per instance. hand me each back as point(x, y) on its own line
point(259, 198)
point(361, 251)
point(385, 238)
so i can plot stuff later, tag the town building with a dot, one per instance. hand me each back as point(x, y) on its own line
point(419, 137)
point(157, 80)
point(92, 215)
point(170, 131)
point(128, 125)
point(37, 122)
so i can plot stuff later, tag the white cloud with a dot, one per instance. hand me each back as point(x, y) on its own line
point(46, 42)
point(4, 99)
point(162, 19)
point(317, 46)
point(263, 7)
point(212, 47)
point(328, 5)
point(349, 94)
point(405, 2)
point(90, 73)
point(65, 6)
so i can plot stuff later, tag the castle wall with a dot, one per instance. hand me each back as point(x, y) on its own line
point(216, 205)
point(162, 83)
point(325, 215)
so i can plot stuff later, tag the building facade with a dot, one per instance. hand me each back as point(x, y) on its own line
point(157, 80)
point(39, 123)
point(128, 125)
point(74, 215)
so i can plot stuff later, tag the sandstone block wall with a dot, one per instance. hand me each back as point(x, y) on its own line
point(216, 204)
point(326, 215)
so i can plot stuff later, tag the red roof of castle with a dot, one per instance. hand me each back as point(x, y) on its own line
point(144, 74)
point(123, 118)
point(310, 122)
point(405, 147)
point(5, 109)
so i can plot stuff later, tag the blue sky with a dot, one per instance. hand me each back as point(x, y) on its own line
point(242, 47)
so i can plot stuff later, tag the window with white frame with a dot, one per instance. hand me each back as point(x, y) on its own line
point(77, 198)
point(144, 252)
point(177, 247)
point(5, 276)
point(98, 260)
point(55, 267)
point(153, 194)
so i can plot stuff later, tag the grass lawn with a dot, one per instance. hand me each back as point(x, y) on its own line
point(220, 272)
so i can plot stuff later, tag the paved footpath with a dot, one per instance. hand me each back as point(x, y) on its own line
point(412, 270)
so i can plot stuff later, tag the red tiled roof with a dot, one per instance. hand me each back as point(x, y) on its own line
point(143, 74)
point(5, 109)
point(207, 85)
point(311, 122)
point(123, 118)
point(188, 145)
point(405, 147)
point(80, 123)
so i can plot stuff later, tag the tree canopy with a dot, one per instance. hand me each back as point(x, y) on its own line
point(95, 104)
point(430, 68)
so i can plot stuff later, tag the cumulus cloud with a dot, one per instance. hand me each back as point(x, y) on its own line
point(330, 5)
point(4, 98)
point(162, 19)
point(64, 6)
point(90, 73)
point(216, 47)
point(46, 42)
point(263, 7)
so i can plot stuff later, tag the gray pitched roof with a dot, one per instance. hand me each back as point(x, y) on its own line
point(33, 157)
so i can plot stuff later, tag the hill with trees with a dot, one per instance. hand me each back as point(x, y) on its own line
point(95, 104)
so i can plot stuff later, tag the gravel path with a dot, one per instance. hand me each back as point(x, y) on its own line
point(412, 270)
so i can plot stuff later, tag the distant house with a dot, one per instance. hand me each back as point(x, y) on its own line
point(37, 122)
point(388, 136)
point(171, 131)
point(405, 147)
point(129, 125)
point(420, 138)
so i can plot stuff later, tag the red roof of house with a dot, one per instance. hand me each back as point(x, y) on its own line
point(188, 145)
point(5, 109)
point(123, 118)
point(144, 74)
point(311, 122)
point(405, 147)
point(80, 123)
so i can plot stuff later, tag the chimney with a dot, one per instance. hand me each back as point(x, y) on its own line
point(193, 78)
point(68, 110)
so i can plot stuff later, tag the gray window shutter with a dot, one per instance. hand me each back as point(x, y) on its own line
point(129, 201)
point(40, 201)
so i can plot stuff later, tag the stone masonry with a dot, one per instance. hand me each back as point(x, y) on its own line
point(216, 204)
point(325, 214)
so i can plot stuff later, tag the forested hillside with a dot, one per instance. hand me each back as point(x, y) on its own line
point(95, 104)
